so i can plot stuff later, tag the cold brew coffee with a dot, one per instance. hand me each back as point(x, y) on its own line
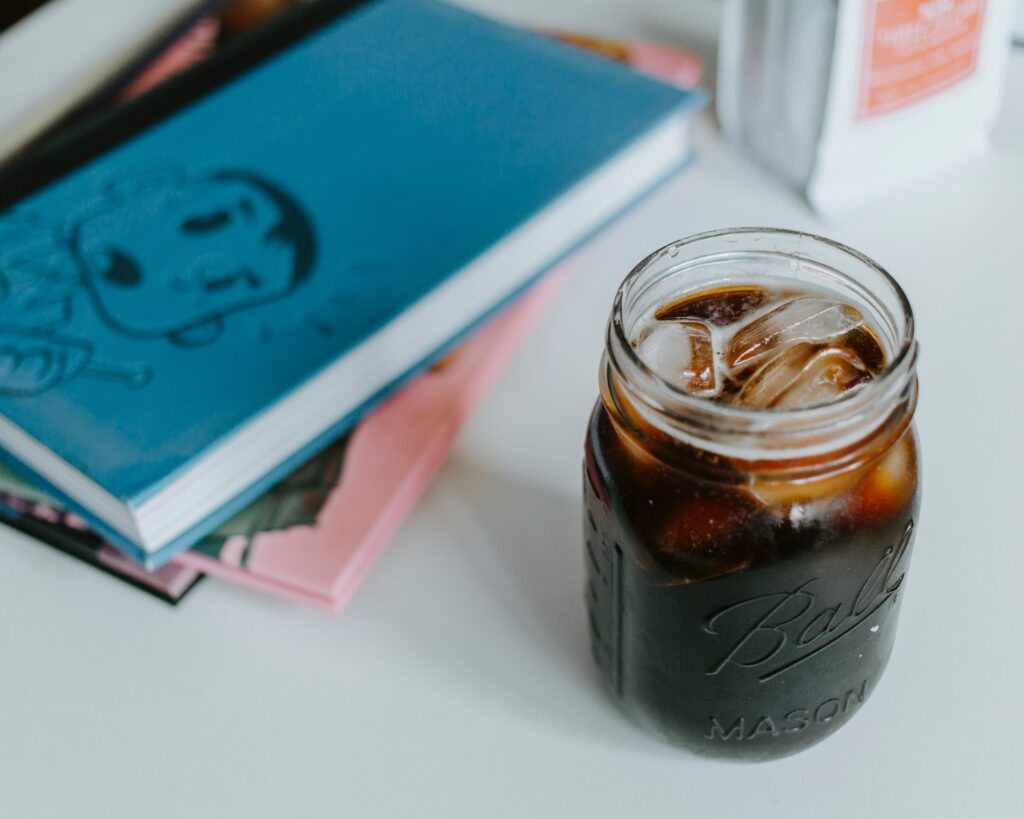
point(751, 489)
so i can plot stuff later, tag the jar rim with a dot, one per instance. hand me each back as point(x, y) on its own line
point(791, 426)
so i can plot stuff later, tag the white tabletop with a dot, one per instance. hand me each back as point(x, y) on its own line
point(458, 683)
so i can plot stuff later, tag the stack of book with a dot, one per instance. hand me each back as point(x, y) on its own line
point(244, 313)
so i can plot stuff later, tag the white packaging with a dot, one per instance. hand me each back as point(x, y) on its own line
point(852, 100)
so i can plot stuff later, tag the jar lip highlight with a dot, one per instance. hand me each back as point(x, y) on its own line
point(699, 417)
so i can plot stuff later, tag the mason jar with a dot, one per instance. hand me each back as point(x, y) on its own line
point(745, 566)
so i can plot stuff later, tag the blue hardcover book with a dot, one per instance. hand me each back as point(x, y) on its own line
point(201, 290)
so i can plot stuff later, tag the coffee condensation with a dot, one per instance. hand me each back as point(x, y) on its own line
point(738, 608)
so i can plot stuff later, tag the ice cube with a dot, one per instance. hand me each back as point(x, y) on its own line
point(802, 375)
point(802, 319)
point(681, 352)
point(706, 531)
point(889, 485)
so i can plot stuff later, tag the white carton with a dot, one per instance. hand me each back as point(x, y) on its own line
point(852, 100)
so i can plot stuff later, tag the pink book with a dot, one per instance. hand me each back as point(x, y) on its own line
point(386, 463)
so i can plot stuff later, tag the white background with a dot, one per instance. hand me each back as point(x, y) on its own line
point(458, 682)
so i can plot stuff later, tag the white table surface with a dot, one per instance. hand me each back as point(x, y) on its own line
point(458, 682)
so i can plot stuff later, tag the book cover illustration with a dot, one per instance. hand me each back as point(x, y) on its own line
point(159, 256)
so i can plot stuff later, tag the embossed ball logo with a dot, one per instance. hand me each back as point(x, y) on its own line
point(778, 631)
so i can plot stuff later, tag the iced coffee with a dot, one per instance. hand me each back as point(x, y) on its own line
point(751, 489)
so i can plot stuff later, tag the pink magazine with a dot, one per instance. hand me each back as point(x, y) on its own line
point(389, 459)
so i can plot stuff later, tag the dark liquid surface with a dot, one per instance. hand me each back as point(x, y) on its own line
point(736, 617)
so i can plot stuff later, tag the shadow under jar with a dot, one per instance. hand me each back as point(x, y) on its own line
point(746, 555)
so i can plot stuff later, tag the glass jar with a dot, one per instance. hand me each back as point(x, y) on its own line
point(745, 566)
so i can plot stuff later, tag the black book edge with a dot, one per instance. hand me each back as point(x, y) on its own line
point(58, 157)
point(82, 546)
point(94, 104)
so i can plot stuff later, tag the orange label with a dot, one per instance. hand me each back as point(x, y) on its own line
point(915, 48)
